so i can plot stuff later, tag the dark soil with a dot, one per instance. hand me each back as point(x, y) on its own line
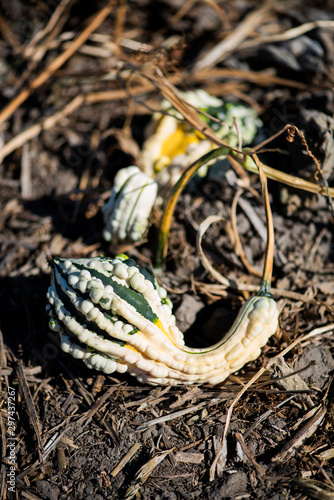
point(72, 426)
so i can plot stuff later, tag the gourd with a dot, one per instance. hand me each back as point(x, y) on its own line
point(175, 144)
point(113, 315)
point(127, 211)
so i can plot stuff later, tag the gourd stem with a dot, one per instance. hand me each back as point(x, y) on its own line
point(173, 197)
point(177, 189)
point(269, 257)
point(278, 176)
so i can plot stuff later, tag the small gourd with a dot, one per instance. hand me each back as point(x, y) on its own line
point(113, 315)
point(127, 211)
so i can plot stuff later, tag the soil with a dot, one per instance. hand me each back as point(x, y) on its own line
point(80, 434)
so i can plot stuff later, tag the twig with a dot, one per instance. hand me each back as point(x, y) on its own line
point(248, 454)
point(304, 433)
point(263, 78)
point(143, 474)
point(189, 458)
point(57, 63)
point(289, 34)
point(89, 415)
point(25, 178)
point(312, 489)
point(184, 9)
point(33, 417)
point(313, 333)
point(120, 20)
point(231, 42)
point(190, 113)
point(176, 414)
point(217, 289)
point(53, 22)
point(216, 467)
point(205, 261)
point(265, 415)
point(29, 495)
point(133, 450)
point(8, 35)
point(287, 179)
point(238, 248)
point(36, 54)
point(71, 107)
point(219, 10)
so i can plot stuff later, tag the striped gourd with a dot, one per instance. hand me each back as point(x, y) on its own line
point(127, 211)
point(112, 314)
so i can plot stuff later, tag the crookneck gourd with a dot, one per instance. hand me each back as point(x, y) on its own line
point(112, 314)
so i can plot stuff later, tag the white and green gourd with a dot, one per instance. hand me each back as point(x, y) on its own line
point(175, 144)
point(128, 209)
point(113, 315)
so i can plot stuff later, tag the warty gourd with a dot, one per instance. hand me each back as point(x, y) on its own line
point(127, 211)
point(113, 315)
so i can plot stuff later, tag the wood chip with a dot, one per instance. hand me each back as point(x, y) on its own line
point(133, 450)
point(189, 458)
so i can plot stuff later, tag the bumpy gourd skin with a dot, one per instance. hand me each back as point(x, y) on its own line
point(127, 211)
point(113, 315)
